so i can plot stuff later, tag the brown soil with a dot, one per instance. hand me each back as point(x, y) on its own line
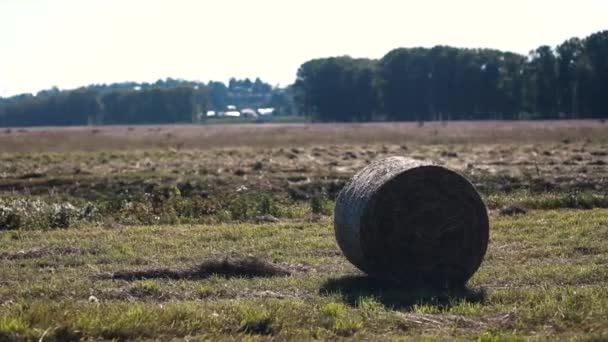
point(39, 253)
point(299, 161)
point(177, 137)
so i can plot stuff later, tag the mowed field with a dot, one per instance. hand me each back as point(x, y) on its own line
point(226, 232)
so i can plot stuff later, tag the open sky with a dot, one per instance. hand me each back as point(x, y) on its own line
point(69, 43)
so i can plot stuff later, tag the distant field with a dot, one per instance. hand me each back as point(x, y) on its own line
point(93, 138)
point(291, 119)
point(225, 232)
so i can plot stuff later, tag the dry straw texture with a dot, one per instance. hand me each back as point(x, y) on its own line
point(412, 222)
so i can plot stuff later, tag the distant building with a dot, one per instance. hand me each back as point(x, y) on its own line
point(233, 113)
point(266, 111)
point(249, 113)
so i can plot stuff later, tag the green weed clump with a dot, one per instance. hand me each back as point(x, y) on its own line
point(257, 321)
point(9, 219)
point(251, 205)
point(336, 317)
point(171, 207)
point(13, 328)
point(35, 214)
point(321, 205)
point(548, 201)
point(145, 288)
point(163, 206)
point(62, 215)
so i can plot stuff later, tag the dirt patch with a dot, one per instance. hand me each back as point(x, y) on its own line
point(433, 321)
point(32, 175)
point(228, 267)
point(586, 250)
point(301, 135)
point(306, 191)
point(512, 210)
point(40, 252)
point(135, 293)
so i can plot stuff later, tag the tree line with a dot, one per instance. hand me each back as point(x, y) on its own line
point(164, 101)
point(170, 101)
point(411, 84)
point(447, 83)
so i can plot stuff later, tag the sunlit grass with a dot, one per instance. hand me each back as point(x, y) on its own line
point(544, 275)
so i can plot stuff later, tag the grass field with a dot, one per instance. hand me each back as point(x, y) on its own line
point(226, 232)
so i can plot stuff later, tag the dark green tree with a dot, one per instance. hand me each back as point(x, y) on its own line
point(594, 75)
point(542, 80)
point(568, 62)
point(337, 89)
point(218, 95)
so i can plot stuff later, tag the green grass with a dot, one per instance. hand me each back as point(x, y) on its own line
point(71, 221)
point(549, 200)
point(545, 275)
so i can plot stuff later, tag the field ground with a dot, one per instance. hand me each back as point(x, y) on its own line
point(225, 232)
point(95, 138)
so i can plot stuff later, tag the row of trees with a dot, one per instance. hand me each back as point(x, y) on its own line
point(119, 104)
point(180, 104)
point(440, 83)
point(51, 108)
point(445, 83)
point(164, 101)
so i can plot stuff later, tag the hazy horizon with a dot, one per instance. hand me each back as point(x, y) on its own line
point(69, 43)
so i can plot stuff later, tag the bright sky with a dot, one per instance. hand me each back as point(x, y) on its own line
point(69, 43)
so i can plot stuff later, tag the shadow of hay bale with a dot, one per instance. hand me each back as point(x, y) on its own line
point(227, 267)
point(353, 288)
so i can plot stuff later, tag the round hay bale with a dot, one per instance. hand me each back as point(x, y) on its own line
point(412, 222)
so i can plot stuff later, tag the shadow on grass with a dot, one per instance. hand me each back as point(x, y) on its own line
point(353, 288)
point(227, 267)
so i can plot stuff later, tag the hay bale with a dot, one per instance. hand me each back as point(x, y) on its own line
point(412, 222)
